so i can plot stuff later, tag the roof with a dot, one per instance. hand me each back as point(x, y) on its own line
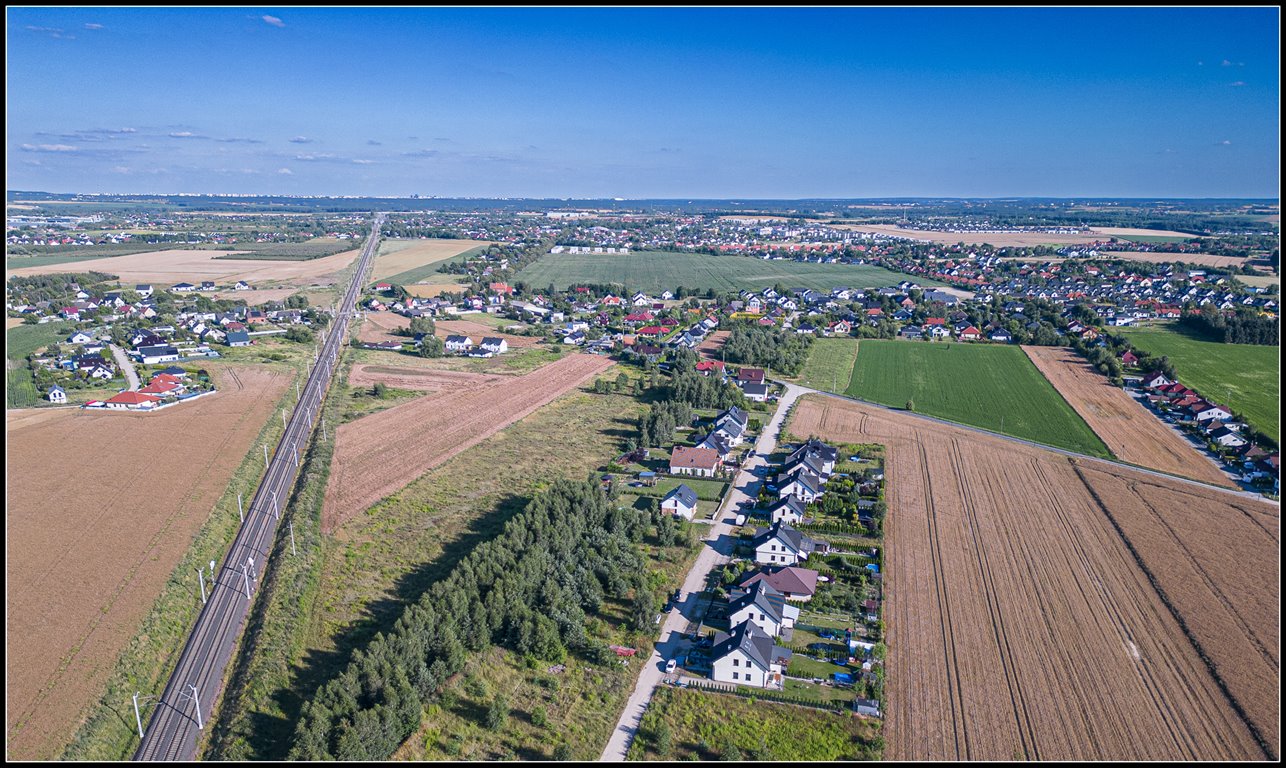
point(751, 388)
point(815, 446)
point(699, 458)
point(751, 374)
point(454, 339)
point(133, 398)
point(754, 642)
point(763, 597)
point(790, 500)
point(685, 496)
point(491, 341)
point(784, 533)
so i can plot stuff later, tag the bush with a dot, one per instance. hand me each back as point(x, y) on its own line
point(497, 712)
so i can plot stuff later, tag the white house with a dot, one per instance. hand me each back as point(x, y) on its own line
point(763, 606)
point(800, 482)
point(748, 656)
point(789, 510)
point(56, 394)
point(495, 345)
point(680, 502)
point(1213, 411)
point(460, 344)
point(79, 337)
point(781, 545)
point(701, 462)
point(1229, 438)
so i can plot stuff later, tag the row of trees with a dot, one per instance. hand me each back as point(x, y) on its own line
point(1242, 327)
point(529, 589)
point(656, 427)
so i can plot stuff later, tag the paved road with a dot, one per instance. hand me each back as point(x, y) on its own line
point(1115, 465)
point(126, 365)
point(195, 685)
point(718, 550)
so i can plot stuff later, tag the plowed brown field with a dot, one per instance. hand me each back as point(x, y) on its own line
point(1154, 257)
point(101, 506)
point(379, 326)
point(417, 378)
point(1046, 607)
point(378, 454)
point(711, 348)
point(174, 266)
point(1127, 428)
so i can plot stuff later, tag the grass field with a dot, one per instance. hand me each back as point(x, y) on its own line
point(410, 261)
point(379, 561)
point(1154, 238)
point(830, 364)
point(990, 386)
point(702, 725)
point(17, 257)
point(1243, 377)
point(656, 271)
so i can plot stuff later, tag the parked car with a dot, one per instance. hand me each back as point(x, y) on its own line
point(669, 666)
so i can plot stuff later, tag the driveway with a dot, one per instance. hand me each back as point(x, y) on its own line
point(123, 361)
point(718, 550)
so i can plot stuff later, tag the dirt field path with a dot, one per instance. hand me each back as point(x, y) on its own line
point(100, 509)
point(1123, 424)
point(1037, 610)
point(378, 454)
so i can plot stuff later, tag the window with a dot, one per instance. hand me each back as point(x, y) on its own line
point(736, 663)
point(734, 675)
point(762, 617)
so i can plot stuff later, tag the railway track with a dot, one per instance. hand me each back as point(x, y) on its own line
point(195, 685)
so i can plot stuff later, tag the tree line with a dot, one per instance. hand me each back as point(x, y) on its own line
point(768, 347)
point(530, 589)
point(1241, 327)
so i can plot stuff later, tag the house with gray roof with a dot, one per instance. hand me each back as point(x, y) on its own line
point(765, 607)
point(790, 510)
point(748, 656)
point(826, 453)
point(680, 502)
point(781, 545)
point(802, 482)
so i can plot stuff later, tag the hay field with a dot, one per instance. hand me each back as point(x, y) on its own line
point(1042, 607)
point(1133, 434)
point(165, 268)
point(378, 454)
point(973, 238)
point(1204, 259)
point(430, 290)
point(101, 507)
point(1132, 231)
point(397, 256)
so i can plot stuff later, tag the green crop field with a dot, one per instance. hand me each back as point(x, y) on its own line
point(995, 387)
point(830, 364)
point(1243, 377)
point(655, 271)
point(433, 270)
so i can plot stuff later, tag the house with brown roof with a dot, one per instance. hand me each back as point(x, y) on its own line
point(702, 462)
point(793, 582)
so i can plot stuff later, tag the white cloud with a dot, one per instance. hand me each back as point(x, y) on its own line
point(49, 148)
point(359, 161)
point(182, 135)
point(273, 20)
point(285, 172)
point(120, 169)
point(302, 140)
point(1237, 84)
point(93, 26)
point(1225, 143)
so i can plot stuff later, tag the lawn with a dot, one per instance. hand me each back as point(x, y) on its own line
point(375, 565)
point(830, 364)
point(686, 724)
point(656, 271)
point(706, 490)
point(1242, 376)
point(995, 387)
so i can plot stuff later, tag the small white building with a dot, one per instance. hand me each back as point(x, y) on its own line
point(461, 344)
point(748, 656)
point(495, 345)
point(56, 394)
point(763, 606)
point(781, 545)
point(680, 502)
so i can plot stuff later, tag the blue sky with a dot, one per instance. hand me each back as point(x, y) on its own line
point(635, 103)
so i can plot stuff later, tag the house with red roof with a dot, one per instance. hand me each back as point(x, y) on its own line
point(132, 401)
point(702, 462)
point(706, 367)
point(651, 330)
point(970, 334)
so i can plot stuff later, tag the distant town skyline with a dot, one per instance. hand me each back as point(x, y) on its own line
point(639, 103)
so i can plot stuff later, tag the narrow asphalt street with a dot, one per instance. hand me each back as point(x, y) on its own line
point(717, 551)
point(126, 365)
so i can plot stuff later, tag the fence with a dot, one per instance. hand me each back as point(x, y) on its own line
point(766, 695)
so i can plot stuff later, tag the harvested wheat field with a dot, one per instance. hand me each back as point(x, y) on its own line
point(378, 454)
point(101, 507)
point(1204, 259)
point(430, 290)
point(1037, 608)
point(256, 297)
point(713, 345)
point(398, 256)
point(998, 239)
point(175, 266)
point(1124, 425)
point(380, 326)
point(364, 375)
point(1134, 231)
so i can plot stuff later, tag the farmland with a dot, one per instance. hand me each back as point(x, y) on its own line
point(1004, 239)
point(1157, 257)
point(22, 340)
point(990, 386)
point(830, 364)
point(174, 266)
point(377, 563)
point(410, 261)
point(370, 462)
point(1134, 434)
point(655, 271)
point(95, 534)
point(1241, 376)
point(1009, 566)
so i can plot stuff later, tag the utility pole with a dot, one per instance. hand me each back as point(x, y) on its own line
point(323, 421)
point(265, 455)
point(295, 447)
point(283, 417)
point(291, 525)
point(196, 700)
point(200, 574)
point(274, 506)
point(296, 391)
point(241, 512)
point(246, 575)
point(138, 718)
